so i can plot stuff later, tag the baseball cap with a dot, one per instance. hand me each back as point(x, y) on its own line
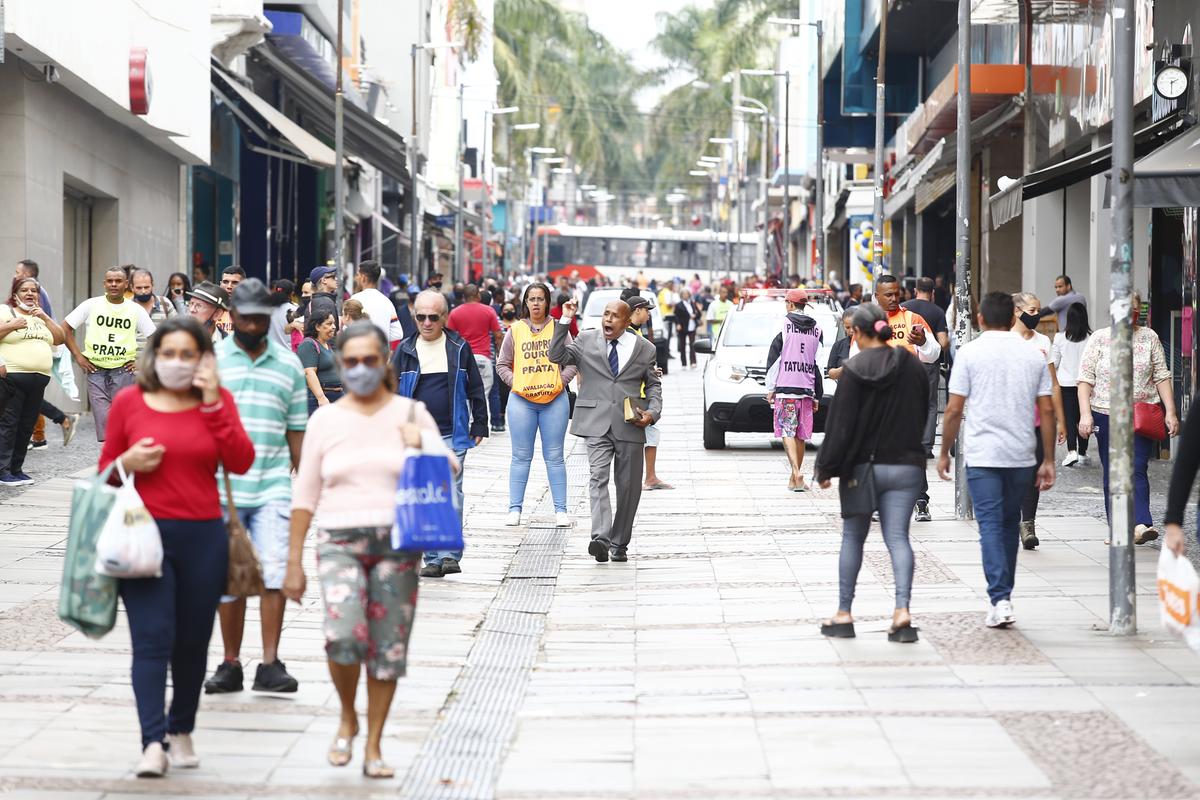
point(209, 292)
point(251, 297)
point(637, 301)
point(318, 273)
point(797, 296)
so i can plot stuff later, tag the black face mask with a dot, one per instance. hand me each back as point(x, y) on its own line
point(143, 298)
point(1029, 321)
point(510, 315)
point(249, 341)
point(437, 285)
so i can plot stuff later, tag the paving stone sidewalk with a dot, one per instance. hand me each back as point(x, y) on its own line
point(695, 670)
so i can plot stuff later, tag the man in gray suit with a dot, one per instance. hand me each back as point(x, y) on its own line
point(614, 364)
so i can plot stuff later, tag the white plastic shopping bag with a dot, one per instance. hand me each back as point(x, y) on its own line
point(1178, 590)
point(130, 545)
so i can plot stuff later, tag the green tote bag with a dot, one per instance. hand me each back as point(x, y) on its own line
point(86, 599)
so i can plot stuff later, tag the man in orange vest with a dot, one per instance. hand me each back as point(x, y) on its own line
point(909, 329)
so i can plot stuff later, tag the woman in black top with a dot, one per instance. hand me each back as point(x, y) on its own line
point(882, 399)
point(1183, 475)
point(320, 372)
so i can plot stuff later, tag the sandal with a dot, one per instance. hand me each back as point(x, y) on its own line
point(377, 768)
point(905, 634)
point(838, 630)
point(339, 752)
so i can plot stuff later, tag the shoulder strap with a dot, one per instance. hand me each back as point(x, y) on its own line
point(229, 493)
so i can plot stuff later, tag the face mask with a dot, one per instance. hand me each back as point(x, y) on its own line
point(174, 374)
point(143, 298)
point(510, 315)
point(25, 307)
point(362, 380)
point(1029, 321)
point(435, 285)
point(250, 341)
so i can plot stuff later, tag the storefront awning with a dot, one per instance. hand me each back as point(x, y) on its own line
point(364, 136)
point(1169, 177)
point(292, 142)
point(1073, 170)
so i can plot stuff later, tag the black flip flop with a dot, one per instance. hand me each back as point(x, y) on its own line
point(905, 634)
point(838, 630)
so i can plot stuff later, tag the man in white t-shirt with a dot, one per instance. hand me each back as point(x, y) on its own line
point(1004, 380)
point(109, 347)
point(375, 303)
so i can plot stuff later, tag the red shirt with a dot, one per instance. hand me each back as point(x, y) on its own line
point(185, 484)
point(475, 322)
point(556, 312)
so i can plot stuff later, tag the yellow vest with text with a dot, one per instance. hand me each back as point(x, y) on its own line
point(535, 377)
point(111, 338)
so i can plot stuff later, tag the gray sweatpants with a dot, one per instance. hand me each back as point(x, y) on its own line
point(103, 386)
point(617, 530)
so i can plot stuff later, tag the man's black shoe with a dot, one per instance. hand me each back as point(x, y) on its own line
point(433, 570)
point(598, 550)
point(274, 677)
point(498, 427)
point(227, 678)
point(450, 567)
point(618, 554)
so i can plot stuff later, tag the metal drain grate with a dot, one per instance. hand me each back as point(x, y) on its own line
point(462, 757)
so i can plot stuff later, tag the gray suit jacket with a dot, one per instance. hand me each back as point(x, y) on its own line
point(601, 404)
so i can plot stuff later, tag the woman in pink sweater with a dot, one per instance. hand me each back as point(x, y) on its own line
point(351, 460)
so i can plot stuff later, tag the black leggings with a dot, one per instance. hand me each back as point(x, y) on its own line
point(1030, 503)
point(1070, 400)
point(22, 393)
point(53, 413)
point(686, 337)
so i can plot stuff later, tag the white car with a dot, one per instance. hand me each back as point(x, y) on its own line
point(593, 310)
point(735, 377)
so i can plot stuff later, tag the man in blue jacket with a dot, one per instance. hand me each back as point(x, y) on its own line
point(435, 366)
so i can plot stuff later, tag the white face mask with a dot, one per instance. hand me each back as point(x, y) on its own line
point(25, 307)
point(175, 374)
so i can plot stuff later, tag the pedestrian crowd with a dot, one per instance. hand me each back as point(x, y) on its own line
point(287, 408)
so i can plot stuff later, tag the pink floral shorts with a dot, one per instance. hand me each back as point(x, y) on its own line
point(793, 418)
point(370, 594)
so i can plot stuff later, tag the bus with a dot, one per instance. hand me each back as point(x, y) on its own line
point(618, 252)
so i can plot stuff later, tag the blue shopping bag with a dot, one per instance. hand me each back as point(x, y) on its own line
point(426, 508)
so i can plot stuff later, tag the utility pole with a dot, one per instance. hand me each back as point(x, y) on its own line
point(1121, 576)
point(339, 223)
point(414, 163)
point(819, 210)
point(787, 175)
point(880, 116)
point(459, 274)
point(962, 231)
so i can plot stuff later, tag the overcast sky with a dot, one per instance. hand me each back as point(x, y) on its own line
point(630, 25)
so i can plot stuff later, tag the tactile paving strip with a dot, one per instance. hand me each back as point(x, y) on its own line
point(462, 757)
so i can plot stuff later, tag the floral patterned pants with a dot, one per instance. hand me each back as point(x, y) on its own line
point(370, 594)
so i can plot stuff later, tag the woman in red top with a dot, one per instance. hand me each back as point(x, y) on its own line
point(173, 428)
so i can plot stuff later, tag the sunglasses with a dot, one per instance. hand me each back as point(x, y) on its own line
point(349, 362)
point(427, 317)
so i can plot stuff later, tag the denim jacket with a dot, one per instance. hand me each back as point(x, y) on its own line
point(469, 406)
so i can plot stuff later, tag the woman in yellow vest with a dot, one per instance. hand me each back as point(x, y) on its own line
point(27, 340)
point(537, 402)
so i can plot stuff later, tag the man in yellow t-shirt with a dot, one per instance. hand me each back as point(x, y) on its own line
point(109, 342)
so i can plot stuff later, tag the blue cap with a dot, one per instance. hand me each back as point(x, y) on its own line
point(318, 273)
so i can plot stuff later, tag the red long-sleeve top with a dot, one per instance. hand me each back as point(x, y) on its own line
point(185, 485)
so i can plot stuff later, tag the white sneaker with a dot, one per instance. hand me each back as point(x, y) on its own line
point(182, 754)
point(153, 763)
point(562, 519)
point(1004, 609)
point(514, 519)
point(1071, 460)
point(1084, 461)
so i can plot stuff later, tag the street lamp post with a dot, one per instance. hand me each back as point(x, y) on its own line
point(756, 107)
point(531, 154)
point(339, 223)
point(787, 127)
point(487, 216)
point(414, 159)
point(508, 195)
point(880, 117)
point(734, 176)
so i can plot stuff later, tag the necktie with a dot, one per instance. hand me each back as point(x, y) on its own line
point(613, 364)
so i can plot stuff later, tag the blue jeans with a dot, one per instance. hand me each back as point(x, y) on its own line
point(496, 411)
point(435, 557)
point(897, 487)
point(997, 493)
point(1142, 449)
point(525, 419)
point(171, 621)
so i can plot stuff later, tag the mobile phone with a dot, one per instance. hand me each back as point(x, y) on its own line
point(917, 329)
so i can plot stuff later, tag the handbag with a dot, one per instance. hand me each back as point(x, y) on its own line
point(857, 493)
point(426, 503)
point(244, 578)
point(1149, 421)
point(129, 545)
point(87, 601)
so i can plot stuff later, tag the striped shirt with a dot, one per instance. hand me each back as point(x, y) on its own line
point(271, 398)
